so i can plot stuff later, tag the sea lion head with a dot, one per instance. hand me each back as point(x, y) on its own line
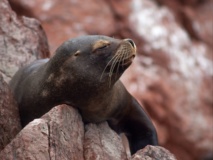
point(96, 58)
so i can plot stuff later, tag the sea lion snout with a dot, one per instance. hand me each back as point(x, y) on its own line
point(131, 42)
point(132, 45)
point(126, 52)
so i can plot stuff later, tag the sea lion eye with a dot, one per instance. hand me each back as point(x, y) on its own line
point(101, 44)
point(102, 47)
point(77, 53)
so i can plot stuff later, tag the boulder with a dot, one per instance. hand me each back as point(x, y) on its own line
point(22, 40)
point(62, 21)
point(100, 142)
point(153, 153)
point(60, 134)
point(56, 135)
point(9, 117)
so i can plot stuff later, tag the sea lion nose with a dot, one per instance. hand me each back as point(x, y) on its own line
point(131, 42)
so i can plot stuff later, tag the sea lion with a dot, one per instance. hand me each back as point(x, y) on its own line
point(84, 73)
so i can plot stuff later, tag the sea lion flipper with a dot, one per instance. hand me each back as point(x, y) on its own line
point(139, 128)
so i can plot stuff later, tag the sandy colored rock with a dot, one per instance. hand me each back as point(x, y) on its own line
point(22, 40)
point(9, 118)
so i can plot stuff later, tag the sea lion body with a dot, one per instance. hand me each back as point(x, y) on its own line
point(84, 73)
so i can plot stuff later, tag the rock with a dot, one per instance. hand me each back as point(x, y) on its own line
point(172, 74)
point(170, 78)
point(66, 133)
point(62, 21)
point(31, 143)
point(153, 153)
point(22, 40)
point(195, 16)
point(101, 142)
point(57, 135)
point(60, 134)
point(9, 117)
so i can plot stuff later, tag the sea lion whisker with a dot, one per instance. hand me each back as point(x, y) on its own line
point(127, 57)
point(124, 57)
point(107, 65)
point(114, 63)
point(112, 68)
point(120, 60)
point(116, 60)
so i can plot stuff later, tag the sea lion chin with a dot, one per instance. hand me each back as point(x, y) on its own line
point(84, 73)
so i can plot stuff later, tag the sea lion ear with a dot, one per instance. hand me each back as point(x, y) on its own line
point(77, 53)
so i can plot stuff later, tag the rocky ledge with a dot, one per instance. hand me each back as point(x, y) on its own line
point(61, 134)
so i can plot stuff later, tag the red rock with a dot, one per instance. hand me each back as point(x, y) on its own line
point(9, 117)
point(101, 142)
point(66, 133)
point(31, 143)
point(153, 153)
point(172, 74)
point(57, 135)
point(195, 16)
point(22, 40)
point(172, 86)
point(62, 21)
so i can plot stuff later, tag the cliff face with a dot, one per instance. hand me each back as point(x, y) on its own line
point(172, 78)
point(22, 40)
point(171, 75)
point(9, 117)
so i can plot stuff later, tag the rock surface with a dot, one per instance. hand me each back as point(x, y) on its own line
point(77, 19)
point(172, 74)
point(9, 118)
point(101, 142)
point(22, 40)
point(60, 134)
point(57, 135)
point(153, 153)
point(171, 80)
point(195, 16)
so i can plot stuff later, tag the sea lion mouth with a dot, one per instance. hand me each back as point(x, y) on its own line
point(121, 59)
point(127, 61)
point(123, 56)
